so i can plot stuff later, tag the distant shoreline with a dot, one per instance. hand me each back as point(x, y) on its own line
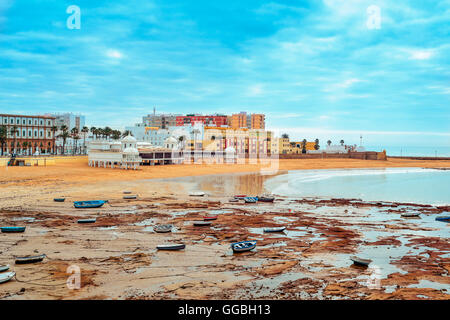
point(419, 158)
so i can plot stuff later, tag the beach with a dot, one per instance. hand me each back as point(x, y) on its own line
point(118, 259)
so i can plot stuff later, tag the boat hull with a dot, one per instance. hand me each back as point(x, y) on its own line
point(4, 268)
point(31, 259)
point(5, 277)
point(82, 221)
point(446, 219)
point(13, 229)
point(271, 230)
point(89, 204)
point(248, 245)
point(360, 261)
point(202, 223)
point(59, 199)
point(171, 247)
point(163, 229)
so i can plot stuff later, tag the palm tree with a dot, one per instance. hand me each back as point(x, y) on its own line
point(14, 131)
point(285, 136)
point(316, 145)
point(54, 129)
point(107, 132)
point(85, 130)
point(116, 134)
point(329, 142)
point(3, 136)
point(75, 137)
point(94, 131)
point(342, 142)
point(64, 135)
point(126, 133)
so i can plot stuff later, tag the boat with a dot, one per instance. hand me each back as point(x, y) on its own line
point(251, 199)
point(202, 223)
point(208, 218)
point(266, 198)
point(4, 267)
point(5, 277)
point(87, 220)
point(276, 229)
point(30, 259)
point(410, 214)
point(233, 200)
point(443, 218)
point(130, 197)
point(243, 246)
point(360, 261)
point(59, 199)
point(197, 194)
point(12, 229)
point(127, 192)
point(240, 196)
point(89, 204)
point(163, 228)
point(178, 246)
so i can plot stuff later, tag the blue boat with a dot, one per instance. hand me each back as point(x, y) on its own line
point(443, 218)
point(251, 199)
point(89, 204)
point(59, 199)
point(243, 246)
point(13, 229)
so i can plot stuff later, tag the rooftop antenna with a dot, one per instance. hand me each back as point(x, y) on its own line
point(154, 110)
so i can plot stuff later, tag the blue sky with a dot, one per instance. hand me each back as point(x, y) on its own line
point(313, 67)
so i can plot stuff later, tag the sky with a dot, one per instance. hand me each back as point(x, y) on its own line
point(317, 69)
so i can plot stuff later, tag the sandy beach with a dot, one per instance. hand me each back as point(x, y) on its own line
point(118, 259)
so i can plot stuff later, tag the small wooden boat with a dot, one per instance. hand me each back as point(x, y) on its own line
point(59, 199)
point(89, 204)
point(243, 246)
point(197, 194)
point(202, 223)
point(5, 277)
point(209, 218)
point(12, 229)
point(410, 215)
point(233, 200)
point(251, 199)
point(266, 198)
point(87, 220)
point(443, 218)
point(30, 259)
point(360, 261)
point(130, 197)
point(240, 196)
point(178, 246)
point(4, 267)
point(163, 228)
point(127, 192)
point(276, 229)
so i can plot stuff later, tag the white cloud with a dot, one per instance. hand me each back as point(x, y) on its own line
point(115, 54)
point(421, 54)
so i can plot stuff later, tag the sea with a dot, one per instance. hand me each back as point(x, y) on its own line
point(406, 151)
point(412, 185)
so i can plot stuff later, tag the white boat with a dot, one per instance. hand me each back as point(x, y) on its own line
point(5, 277)
point(163, 228)
point(410, 214)
point(276, 229)
point(170, 246)
point(360, 261)
point(197, 194)
point(202, 223)
point(4, 267)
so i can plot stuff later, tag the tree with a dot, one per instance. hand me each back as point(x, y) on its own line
point(94, 131)
point(116, 134)
point(285, 136)
point(54, 129)
point(3, 136)
point(342, 142)
point(329, 142)
point(85, 130)
point(64, 135)
point(316, 145)
point(126, 133)
point(107, 132)
point(25, 145)
point(14, 132)
point(75, 137)
point(304, 146)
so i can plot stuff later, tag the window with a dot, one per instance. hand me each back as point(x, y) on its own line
point(41, 122)
point(29, 122)
point(24, 121)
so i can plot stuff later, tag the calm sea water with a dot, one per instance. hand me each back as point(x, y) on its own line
point(416, 185)
point(413, 151)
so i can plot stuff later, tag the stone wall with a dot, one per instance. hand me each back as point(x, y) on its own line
point(367, 155)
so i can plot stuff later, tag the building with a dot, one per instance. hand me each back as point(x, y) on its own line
point(162, 121)
point(27, 135)
point(70, 120)
point(216, 120)
point(249, 121)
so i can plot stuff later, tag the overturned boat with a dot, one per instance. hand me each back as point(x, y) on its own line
point(89, 204)
point(276, 229)
point(178, 246)
point(30, 259)
point(5, 277)
point(12, 229)
point(360, 261)
point(87, 220)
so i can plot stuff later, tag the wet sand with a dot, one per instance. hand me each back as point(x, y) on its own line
point(118, 258)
